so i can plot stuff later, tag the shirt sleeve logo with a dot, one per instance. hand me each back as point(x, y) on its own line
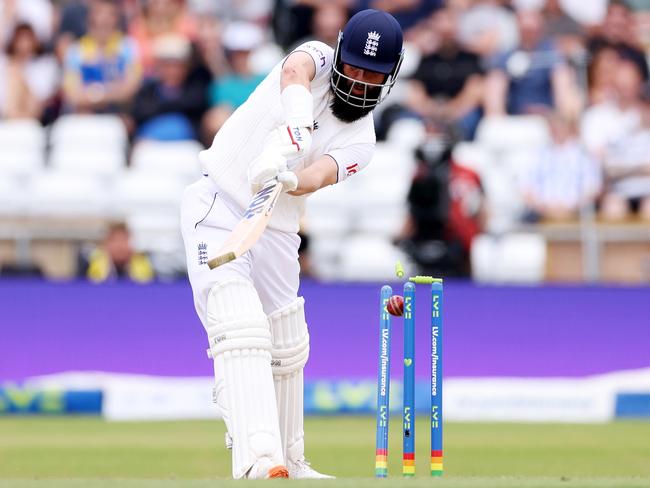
point(351, 169)
point(319, 53)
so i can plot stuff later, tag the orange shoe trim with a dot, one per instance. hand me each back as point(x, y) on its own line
point(278, 472)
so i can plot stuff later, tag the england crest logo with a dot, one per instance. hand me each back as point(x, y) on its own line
point(372, 43)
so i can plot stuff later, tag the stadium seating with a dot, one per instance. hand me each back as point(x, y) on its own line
point(13, 197)
point(87, 180)
point(89, 131)
point(473, 156)
point(406, 134)
point(102, 163)
point(93, 145)
point(500, 155)
point(175, 159)
point(381, 191)
point(327, 212)
point(325, 255)
point(150, 204)
point(501, 134)
point(510, 258)
point(365, 257)
point(352, 225)
point(58, 193)
point(23, 147)
point(372, 203)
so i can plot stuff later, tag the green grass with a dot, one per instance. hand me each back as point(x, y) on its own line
point(88, 452)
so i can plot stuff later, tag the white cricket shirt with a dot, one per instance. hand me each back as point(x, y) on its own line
point(241, 139)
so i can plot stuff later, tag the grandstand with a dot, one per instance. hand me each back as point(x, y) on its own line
point(72, 168)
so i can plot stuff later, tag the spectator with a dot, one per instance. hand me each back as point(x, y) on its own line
point(627, 171)
point(557, 21)
point(209, 45)
point(170, 104)
point(487, 28)
point(448, 83)
point(73, 21)
point(619, 31)
point(327, 21)
point(29, 79)
point(115, 259)
point(588, 14)
point(256, 11)
point(642, 22)
point(601, 75)
point(567, 33)
point(293, 20)
point(532, 78)
point(446, 209)
point(562, 177)
point(230, 91)
point(102, 69)
point(73, 25)
point(160, 18)
point(615, 132)
point(37, 13)
point(407, 12)
point(605, 124)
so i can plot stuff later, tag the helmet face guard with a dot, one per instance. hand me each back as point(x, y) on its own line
point(373, 93)
point(372, 41)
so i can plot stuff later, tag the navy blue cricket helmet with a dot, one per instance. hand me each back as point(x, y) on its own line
point(372, 41)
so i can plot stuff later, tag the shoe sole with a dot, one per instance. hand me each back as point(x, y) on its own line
point(278, 472)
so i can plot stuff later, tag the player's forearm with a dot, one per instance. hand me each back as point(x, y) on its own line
point(308, 183)
point(322, 173)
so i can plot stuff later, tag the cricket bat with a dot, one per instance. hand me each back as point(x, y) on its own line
point(250, 228)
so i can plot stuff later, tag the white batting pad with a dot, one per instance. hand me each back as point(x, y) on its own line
point(240, 344)
point(290, 352)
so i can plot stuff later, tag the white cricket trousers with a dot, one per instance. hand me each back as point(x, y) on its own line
point(207, 217)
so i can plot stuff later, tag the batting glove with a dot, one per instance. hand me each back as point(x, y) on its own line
point(290, 140)
point(267, 166)
point(289, 180)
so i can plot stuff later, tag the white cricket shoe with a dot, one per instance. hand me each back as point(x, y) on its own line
point(302, 470)
point(297, 470)
point(265, 469)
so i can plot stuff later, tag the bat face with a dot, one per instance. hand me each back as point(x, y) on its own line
point(250, 228)
point(258, 204)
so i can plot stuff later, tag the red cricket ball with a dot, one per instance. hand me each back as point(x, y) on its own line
point(396, 305)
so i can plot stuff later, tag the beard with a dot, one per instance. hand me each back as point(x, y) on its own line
point(345, 112)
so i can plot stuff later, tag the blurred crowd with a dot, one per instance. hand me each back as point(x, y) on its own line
point(176, 69)
point(581, 65)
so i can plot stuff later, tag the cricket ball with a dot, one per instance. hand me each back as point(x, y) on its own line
point(396, 305)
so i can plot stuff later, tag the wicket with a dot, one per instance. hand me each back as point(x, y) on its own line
point(383, 379)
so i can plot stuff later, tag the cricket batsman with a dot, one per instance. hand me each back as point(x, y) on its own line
point(307, 125)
